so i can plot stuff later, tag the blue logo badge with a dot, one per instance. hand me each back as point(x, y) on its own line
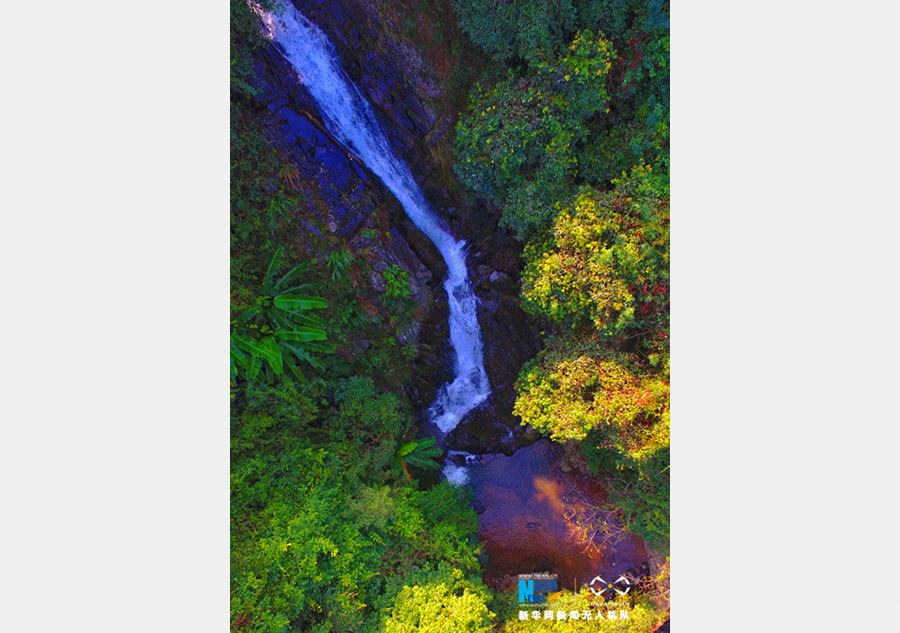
point(534, 588)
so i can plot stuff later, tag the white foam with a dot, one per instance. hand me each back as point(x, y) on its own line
point(456, 475)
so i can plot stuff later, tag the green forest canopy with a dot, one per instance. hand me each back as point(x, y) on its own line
point(566, 134)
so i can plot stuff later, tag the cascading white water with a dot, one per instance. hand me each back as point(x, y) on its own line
point(456, 467)
point(350, 118)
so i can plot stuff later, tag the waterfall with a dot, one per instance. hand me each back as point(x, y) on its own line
point(351, 119)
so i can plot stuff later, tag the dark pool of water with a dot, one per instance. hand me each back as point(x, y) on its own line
point(523, 502)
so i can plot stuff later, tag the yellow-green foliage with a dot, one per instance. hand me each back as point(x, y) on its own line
point(324, 534)
point(607, 260)
point(573, 387)
point(580, 76)
point(441, 601)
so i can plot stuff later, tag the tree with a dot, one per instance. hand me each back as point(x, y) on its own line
point(575, 386)
point(440, 601)
point(533, 30)
point(304, 551)
point(517, 143)
point(366, 422)
point(637, 129)
point(640, 137)
point(606, 264)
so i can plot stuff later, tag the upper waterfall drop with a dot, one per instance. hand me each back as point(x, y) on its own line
point(348, 115)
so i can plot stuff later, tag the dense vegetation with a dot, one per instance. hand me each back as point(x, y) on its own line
point(337, 520)
point(326, 534)
point(567, 134)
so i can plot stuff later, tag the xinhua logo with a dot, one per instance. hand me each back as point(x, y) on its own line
point(534, 588)
point(620, 585)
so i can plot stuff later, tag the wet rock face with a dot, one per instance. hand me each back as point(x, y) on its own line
point(510, 339)
point(338, 189)
point(434, 363)
point(490, 429)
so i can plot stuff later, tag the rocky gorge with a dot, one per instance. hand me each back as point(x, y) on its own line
point(416, 76)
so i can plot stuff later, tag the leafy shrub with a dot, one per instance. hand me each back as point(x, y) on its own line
point(245, 40)
point(271, 413)
point(419, 453)
point(396, 281)
point(607, 262)
point(573, 387)
point(276, 333)
point(440, 601)
point(339, 261)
